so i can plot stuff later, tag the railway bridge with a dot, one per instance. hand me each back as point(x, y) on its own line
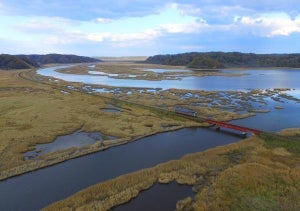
point(194, 115)
point(243, 129)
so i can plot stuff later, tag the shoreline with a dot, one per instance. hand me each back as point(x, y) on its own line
point(61, 156)
point(73, 153)
point(255, 161)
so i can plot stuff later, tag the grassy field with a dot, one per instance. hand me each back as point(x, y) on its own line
point(258, 173)
point(38, 110)
point(33, 113)
point(291, 132)
point(253, 174)
point(138, 69)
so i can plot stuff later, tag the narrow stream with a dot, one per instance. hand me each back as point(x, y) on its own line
point(35, 190)
point(38, 189)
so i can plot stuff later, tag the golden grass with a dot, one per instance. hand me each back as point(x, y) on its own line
point(290, 132)
point(240, 176)
point(211, 104)
point(119, 67)
point(245, 175)
point(32, 113)
point(229, 177)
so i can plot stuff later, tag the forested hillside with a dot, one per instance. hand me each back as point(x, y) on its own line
point(58, 59)
point(13, 62)
point(217, 60)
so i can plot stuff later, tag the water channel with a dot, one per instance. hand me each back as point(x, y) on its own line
point(275, 120)
point(37, 189)
point(251, 79)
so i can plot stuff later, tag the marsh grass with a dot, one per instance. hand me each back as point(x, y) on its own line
point(33, 112)
point(292, 144)
point(256, 173)
point(290, 132)
point(247, 175)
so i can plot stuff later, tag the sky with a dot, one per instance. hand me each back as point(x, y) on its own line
point(148, 27)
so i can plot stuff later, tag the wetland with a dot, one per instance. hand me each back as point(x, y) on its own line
point(112, 104)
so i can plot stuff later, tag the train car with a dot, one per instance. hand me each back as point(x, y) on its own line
point(186, 112)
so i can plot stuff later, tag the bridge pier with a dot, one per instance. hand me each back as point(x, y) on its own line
point(218, 128)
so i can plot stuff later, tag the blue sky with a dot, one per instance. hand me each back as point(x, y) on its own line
point(148, 27)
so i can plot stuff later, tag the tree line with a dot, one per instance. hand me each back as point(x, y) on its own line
point(219, 60)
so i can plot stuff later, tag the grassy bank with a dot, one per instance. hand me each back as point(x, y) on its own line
point(35, 113)
point(251, 174)
point(124, 69)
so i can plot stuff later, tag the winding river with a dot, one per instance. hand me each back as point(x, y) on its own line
point(275, 120)
point(251, 79)
point(37, 189)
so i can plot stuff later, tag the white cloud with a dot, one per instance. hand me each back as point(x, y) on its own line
point(270, 25)
point(123, 37)
point(45, 24)
point(187, 9)
point(182, 28)
point(149, 34)
point(65, 38)
point(104, 20)
point(91, 9)
point(97, 37)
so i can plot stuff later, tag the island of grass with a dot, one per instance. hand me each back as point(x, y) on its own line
point(36, 109)
point(36, 113)
point(259, 173)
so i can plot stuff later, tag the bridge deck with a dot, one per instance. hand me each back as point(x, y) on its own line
point(232, 126)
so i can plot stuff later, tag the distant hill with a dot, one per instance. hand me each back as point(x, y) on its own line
point(124, 59)
point(218, 60)
point(57, 59)
point(13, 62)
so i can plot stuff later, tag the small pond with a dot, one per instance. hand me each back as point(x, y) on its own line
point(151, 199)
point(76, 139)
point(111, 110)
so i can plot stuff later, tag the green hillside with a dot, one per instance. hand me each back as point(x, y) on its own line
point(13, 62)
point(217, 60)
point(58, 59)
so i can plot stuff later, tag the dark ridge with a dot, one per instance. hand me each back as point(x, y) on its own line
point(8, 62)
point(57, 59)
point(219, 60)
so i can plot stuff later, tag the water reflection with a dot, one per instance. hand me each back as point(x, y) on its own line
point(256, 79)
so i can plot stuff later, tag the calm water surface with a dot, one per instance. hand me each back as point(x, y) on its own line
point(37, 189)
point(255, 79)
point(76, 139)
point(160, 197)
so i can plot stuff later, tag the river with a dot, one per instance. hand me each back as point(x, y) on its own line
point(275, 120)
point(37, 189)
point(251, 79)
